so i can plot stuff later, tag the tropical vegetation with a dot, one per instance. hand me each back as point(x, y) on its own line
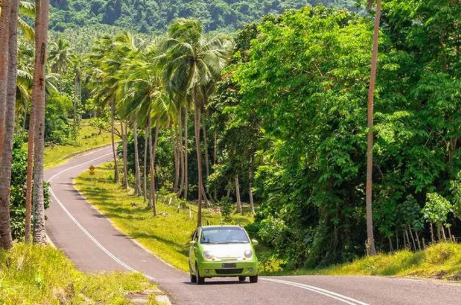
point(335, 150)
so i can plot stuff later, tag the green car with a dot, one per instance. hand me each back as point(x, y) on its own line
point(222, 251)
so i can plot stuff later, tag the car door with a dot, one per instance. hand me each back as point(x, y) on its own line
point(193, 249)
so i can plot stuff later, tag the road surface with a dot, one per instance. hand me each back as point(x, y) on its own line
point(90, 240)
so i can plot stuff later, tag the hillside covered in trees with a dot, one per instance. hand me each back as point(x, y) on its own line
point(154, 15)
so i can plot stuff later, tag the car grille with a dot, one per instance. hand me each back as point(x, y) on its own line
point(229, 271)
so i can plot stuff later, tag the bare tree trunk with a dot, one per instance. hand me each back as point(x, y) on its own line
point(4, 58)
point(152, 169)
point(39, 202)
point(443, 233)
point(186, 156)
point(412, 238)
point(371, 250)
point(391, 248)
point(199, 156)
point(7, 157)
point(149, 123)
point(432, 233)
point(175, 158)
point(137, 174)
point(417, 240)
point(237, 194)
point(397, 240)
point(215, 154)
point(250, 190)
point(181, 155)
point(125, 153)
point(112, 122)
point(31, 143)
point(205, 144)
point(146, 143)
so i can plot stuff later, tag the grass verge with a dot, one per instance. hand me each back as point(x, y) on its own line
point(89, 138)
point(43, 275)
point(439, 261)
point(167, 235)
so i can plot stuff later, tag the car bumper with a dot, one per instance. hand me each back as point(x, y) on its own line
point(216, 269)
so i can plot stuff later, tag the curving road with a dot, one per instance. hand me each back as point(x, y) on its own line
point(91, 241)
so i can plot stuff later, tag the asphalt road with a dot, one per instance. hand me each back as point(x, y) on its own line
point(90, 240)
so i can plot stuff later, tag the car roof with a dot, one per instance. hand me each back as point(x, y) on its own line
point(222, 226)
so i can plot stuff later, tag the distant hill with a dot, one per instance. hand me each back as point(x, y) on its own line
point(148, 16)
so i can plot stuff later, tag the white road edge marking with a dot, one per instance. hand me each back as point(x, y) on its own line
point(116, 259)
point(325, 292)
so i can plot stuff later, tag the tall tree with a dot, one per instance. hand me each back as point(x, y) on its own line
point(4, 38)
point(191, 62)
point(371, 250)
point(39, 95)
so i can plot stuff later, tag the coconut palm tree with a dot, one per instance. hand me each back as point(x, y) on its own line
point(39, 101)
point(191, 61)
point(61, 56)
point(371, 250)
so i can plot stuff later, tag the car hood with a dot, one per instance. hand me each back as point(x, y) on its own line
point(227, 250)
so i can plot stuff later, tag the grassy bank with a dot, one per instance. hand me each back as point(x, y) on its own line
point(43, 275)
point(166, 235)
point(89, 137)
point(440, 261)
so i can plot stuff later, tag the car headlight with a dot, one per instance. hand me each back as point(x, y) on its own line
point(248, 253)
point(207, 254)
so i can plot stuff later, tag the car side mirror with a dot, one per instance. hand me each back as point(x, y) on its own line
point(254, 242)
point(192, 242)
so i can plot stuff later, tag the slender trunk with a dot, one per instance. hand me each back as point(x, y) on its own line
point(186, 154)
point(432, 233)
point(237, 194)
point(412, 238)
point(4, 58)
point(149, 123)
point(181, 155)
point(137, 186)
point(31, 143)
point(175, 158)
point(7, 157)
point(250, 190)
point(38, 192)
point(125, 153)
point(215, 154)
point(397, 240)
point(152, 169)
point(112, 122)
point(205, 198)
point(205, 144)
point(443, 233)
point(407, 242)
point(146, 139)
point(199, 155)
point(371, 250)
point(391, 248)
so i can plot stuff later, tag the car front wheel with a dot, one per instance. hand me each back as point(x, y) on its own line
point(254, 279)
point(200, 279)
point(193, 278)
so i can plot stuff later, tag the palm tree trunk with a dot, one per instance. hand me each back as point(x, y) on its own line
point(137, 186)
point(186, 154)
point(4, 58)
point(39, 202)
point(125, 153)
point(175, 158)
point(237, 194)
point(205, 144)
point(112, 122)
point(152, 169)
point(199, 156)
point(149, 123)
point(146, 139)
point(371, 250)
point(215, 155)
point(181, 155)
point(31, 143)
point(250, 190)
point(7, 158)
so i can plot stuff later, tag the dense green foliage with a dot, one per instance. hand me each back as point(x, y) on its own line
point(153, 15)
point(303, 79)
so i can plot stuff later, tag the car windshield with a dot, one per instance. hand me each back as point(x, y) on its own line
point(224, 235)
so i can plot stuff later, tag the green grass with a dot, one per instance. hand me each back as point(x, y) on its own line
point(88, 138)
point(440, 261)
point(43, 275)
point(167, 235)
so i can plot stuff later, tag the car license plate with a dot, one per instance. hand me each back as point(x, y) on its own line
point(229, 265)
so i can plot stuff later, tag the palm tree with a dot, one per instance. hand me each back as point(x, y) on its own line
point(61, 56)
point(371, 250)
point(191, 62)
point(4, 38)
point(42, 8)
